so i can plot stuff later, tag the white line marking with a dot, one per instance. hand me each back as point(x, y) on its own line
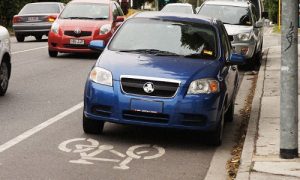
point(38, 128)
point(33, 49)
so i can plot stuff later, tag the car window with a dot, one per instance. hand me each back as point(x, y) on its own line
point(181, 38)
point(41, 8)
point(180, 9)
point(228, 14)
point(85, 11)
point(225, 42)
point(119, 10)
point(253, 14)
point(115, 11)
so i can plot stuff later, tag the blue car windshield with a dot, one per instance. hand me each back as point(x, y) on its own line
point(163, 37)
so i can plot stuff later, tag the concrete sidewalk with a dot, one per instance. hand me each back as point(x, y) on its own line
point(260, 158)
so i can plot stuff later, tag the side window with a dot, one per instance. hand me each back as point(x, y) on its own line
point(225, 42)
point(115, 11)
point(120, 10)
point(254, 14)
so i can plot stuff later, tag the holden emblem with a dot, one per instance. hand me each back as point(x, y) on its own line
point(148, 87)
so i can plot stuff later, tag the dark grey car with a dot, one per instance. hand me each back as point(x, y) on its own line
point(35, 19)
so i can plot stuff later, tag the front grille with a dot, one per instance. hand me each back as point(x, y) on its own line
point(82, 34)
point(161, 88)
point(193, 120)
point(76, 46)
point(146, 117)
point(102, 110)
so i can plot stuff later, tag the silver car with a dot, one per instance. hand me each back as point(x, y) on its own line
point(243, 26)
point(5, 63)
point(35, 19)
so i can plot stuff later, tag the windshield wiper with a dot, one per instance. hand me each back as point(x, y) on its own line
point(152, 51)
point(196, 55)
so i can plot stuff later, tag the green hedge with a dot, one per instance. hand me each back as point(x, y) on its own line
point(9, 8)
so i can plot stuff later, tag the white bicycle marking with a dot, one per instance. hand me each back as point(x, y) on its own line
point(94, 148)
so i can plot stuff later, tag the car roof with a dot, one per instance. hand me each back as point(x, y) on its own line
point(228, 3)
point(179, 4)
point(91, 1)
point(176, 16)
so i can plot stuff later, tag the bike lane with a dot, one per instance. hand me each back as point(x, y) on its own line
point(63, 151)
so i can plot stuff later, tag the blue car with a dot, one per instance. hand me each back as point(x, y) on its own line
point(164, 70)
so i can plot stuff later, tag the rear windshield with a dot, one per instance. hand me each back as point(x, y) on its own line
point(85, 11)
point(179, 38)
point(228, 14)
point(179, 9)
point(40, 9)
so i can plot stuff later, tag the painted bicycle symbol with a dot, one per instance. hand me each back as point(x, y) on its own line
point(88, 149)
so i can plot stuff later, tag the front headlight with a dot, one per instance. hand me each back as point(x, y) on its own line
point(204, 86)
point(101, 76)
point(105, 29)
point(244, 36)
point(55, 27)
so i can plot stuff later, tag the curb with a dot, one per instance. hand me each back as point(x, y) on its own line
point(249, 144)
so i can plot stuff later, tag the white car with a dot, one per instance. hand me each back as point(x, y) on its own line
point(5, 63)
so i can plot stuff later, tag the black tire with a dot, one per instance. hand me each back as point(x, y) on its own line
point(20, 38)
point(52, 53)
point(214, 138)
point(91, 126)
point(230, 113)
point(4, 78)
point(38, 37)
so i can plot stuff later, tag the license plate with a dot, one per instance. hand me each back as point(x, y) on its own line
point(31, 19)
point(77, 41)
point(146, 106)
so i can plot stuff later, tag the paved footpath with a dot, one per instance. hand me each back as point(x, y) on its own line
point(260, 158)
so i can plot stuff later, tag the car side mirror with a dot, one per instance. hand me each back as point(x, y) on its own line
point(259, 24)
point(237, 59)
point(119, 19)
point(265, 15)
point(97, 45)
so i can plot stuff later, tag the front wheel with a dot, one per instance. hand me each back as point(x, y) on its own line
point(4, 77)
point(91, 126)
point(52, 53)
point(230, 112)
point(215, 137)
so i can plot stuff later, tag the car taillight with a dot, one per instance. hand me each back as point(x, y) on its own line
point(16, 19)
point(52, 18)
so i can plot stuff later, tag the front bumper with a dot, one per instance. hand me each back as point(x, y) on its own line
point(61, 43)
point(28, 29)
point(194, 112)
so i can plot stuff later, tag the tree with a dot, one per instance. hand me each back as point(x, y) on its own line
point(272, 7)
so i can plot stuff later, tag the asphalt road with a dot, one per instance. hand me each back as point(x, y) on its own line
point(41, 135)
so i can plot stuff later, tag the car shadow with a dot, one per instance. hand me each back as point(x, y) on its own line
point(171, 138)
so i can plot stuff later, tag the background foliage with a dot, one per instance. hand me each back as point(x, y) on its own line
point(271, 6)
point(9, 8)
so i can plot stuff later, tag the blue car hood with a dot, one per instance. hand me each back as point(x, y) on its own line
point(170, 67)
